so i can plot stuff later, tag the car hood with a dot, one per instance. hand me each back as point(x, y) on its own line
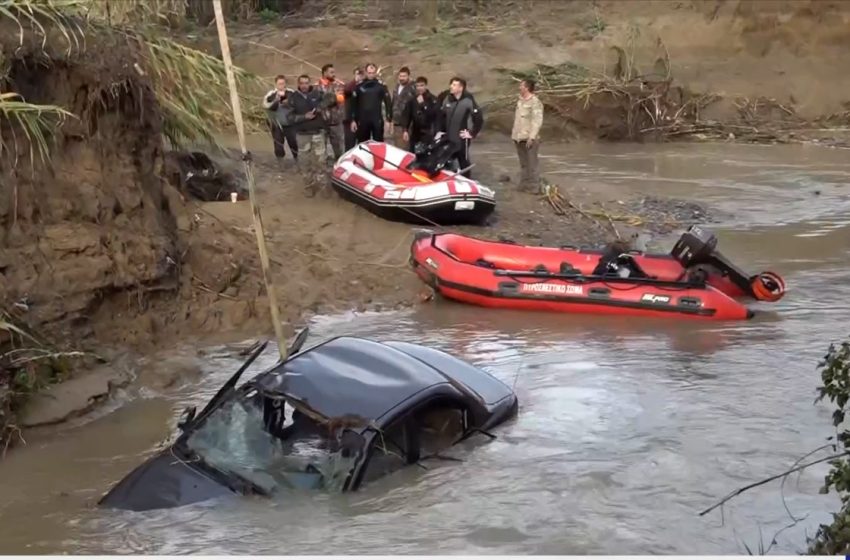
point(163, 481)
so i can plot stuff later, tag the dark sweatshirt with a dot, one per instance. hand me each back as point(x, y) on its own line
point(349, 90)
point(303, 103)
point(400, 100)
point(366, 100)
point(455, 115)
point(421, 117)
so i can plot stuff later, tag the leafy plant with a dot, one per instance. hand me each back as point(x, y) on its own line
point(268, 16)
point(27, 365)
point(835, 375)
point(595, 25)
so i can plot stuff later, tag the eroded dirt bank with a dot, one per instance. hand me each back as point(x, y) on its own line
point(749, 70)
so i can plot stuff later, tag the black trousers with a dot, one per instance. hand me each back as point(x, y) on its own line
point(350, 137)
point(287, 135)
point(462, 157)
point(370, 130)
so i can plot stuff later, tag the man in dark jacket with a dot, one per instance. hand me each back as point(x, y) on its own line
point(367, 100)
point(419, 119)
point(276, 103)
point(308, 104)
point(457, 111)
point(403, 93)
point(350, 137)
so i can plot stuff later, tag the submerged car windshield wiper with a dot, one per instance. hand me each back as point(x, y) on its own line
point(227, 477)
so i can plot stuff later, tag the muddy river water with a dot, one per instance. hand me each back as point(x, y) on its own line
point(626, 429)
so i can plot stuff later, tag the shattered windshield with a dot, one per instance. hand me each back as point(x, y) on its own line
point(257, 437)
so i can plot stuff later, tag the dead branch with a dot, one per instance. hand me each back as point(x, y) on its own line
point(202, 286)
point(558, 201)
point(792, 470)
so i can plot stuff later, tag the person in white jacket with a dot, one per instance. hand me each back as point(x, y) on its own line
point(528, 118)
point(277, 103)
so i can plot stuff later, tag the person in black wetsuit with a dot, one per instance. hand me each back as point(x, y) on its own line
point(456, 111)
point(419, 118)
point(367, 100)
point(350, 138)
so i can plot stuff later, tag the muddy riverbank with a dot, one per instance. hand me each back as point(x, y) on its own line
point(327, 255)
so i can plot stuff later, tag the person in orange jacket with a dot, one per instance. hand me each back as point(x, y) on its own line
point(333, 115)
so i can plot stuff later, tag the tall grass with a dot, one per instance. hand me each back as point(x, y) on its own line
point(190, 85)
point(34, 121)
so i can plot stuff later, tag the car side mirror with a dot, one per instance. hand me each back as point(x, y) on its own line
point(186, 418)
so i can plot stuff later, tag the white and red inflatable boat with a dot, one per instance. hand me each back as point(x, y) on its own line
point(378, 177)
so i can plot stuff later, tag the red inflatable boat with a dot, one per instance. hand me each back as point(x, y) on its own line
point(380, 178)
point(694, 280)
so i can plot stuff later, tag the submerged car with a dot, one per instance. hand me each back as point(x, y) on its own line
point(341, 413)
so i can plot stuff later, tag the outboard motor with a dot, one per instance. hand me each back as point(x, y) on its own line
point(697, 248)
point(694, 247)
point(432, 157)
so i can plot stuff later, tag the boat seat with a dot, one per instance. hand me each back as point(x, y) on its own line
point(621, 260)
point(399, 177)
point(637, 270)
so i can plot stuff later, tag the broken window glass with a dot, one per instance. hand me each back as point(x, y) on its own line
point(268, 443)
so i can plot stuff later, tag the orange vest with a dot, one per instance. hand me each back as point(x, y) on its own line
point(325, 84)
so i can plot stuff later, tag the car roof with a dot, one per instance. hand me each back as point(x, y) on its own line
point(485, 387)
point(355, 376)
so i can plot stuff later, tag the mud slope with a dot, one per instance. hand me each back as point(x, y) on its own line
point(95, 247)
point(97, 229)
point(791, 55)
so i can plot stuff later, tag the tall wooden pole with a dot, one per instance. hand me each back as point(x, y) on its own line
point(249, 174)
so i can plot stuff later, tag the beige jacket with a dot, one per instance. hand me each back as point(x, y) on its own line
point(528, 119)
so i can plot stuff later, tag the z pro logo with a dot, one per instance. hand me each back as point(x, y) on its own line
point(430, 262)
point(653, 298)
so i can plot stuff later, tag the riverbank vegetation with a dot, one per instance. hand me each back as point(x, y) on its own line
point(189, 85)
point(27, 366)
point(834, 539)
point(631, 101)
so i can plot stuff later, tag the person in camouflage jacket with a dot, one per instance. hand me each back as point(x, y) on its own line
point(328, 84)
point(401, 96)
